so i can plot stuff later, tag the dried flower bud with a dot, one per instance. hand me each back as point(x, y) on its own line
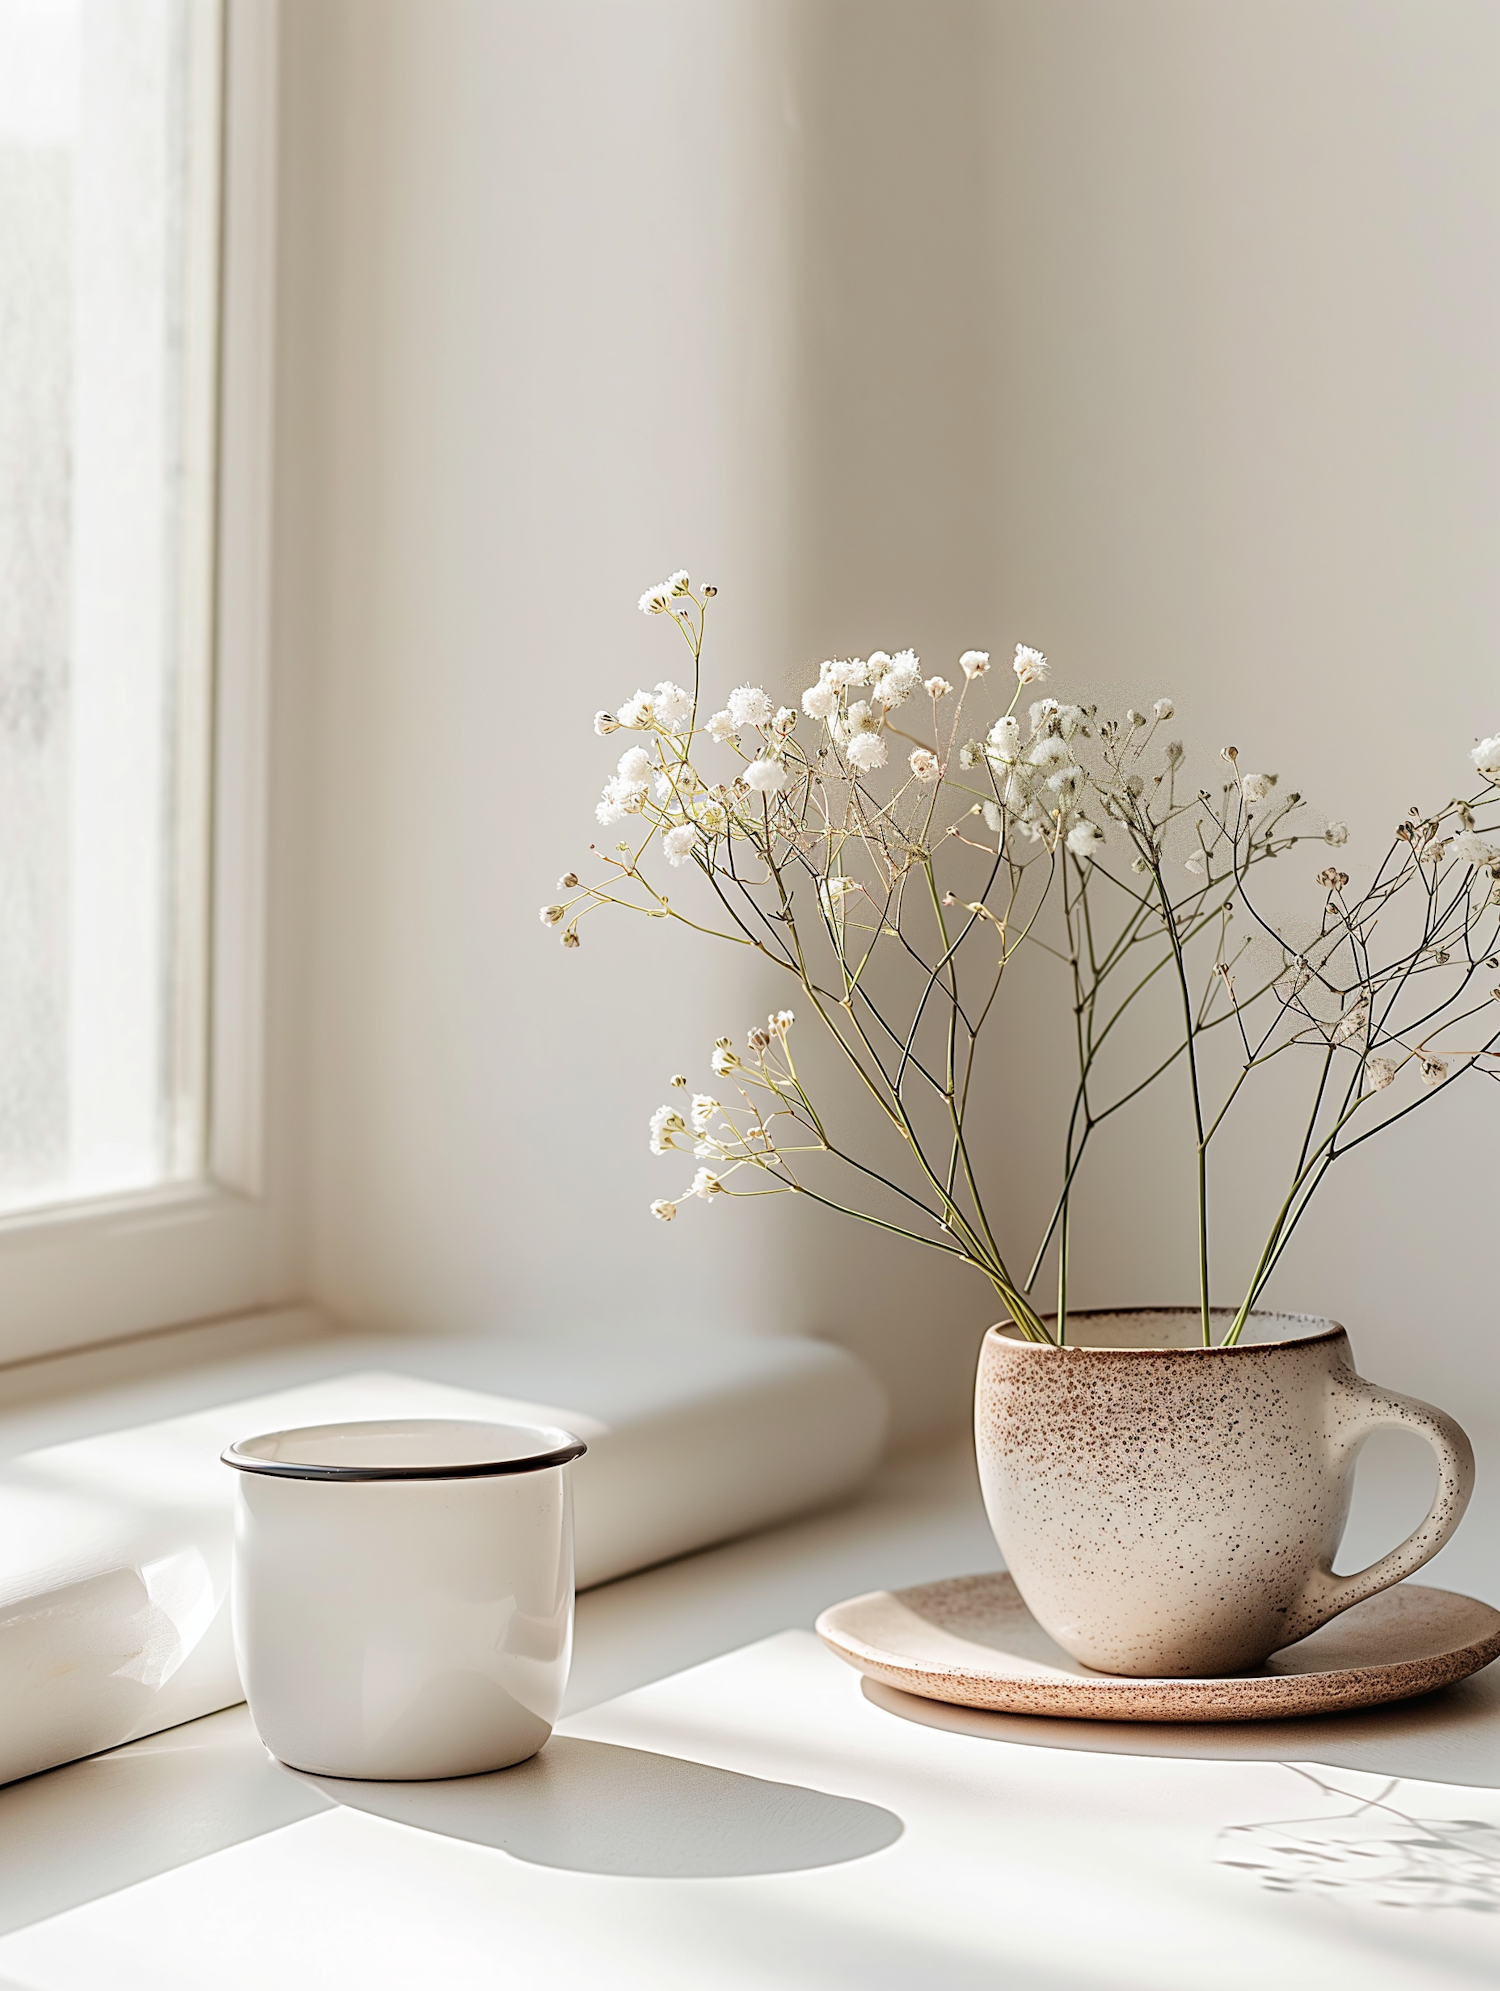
point(1134, 718)
point(605, 723)
point(1434, 1071)
point(1380, 1072)
point(1334, 879)
point(1163, 708)
point(679, 1083)
point(663, 1210)
point(1139, 864)
point(570, 938)
point(758, 1039)
point(1231, 754)
point(1353, 1022)
point(725, 1057)
point(552, 915)
point(1336, 834)
point(710, 592)
point(1176, 753)
point(970, 754)
point(567, 881)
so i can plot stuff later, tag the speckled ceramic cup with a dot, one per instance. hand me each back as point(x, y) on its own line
point(1171, 1510)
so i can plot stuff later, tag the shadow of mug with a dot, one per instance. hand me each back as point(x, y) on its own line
point(594, 1807)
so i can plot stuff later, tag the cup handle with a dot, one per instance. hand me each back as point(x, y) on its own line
point(1359, 1409)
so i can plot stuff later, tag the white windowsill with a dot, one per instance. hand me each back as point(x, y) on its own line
point(1020, 1851)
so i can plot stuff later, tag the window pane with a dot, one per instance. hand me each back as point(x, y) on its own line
point(108, 262)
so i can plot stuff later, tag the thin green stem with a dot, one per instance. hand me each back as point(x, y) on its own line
point(1187, 1017)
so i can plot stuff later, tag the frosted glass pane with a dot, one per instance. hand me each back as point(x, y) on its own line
point(108, 199)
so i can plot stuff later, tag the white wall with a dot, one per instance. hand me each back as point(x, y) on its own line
point(534, 286)
point(1248, 436)
point(1158, 335)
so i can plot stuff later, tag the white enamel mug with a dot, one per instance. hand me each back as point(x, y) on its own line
point(403, 1593)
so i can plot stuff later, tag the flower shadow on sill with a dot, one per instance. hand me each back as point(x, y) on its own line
point(1450, 1737)
point(593, 1807)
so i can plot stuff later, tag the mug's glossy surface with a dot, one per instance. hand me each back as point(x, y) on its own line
point(1168, 1509)
point(403, 1593)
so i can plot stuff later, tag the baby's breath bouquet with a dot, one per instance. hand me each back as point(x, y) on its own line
point(892, 846)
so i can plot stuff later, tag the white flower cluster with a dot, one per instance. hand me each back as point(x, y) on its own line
point(626, 790)
point(1038, 780)
point(666, 1124)
point(749, 706)
point(766, 777)
point(725, 1145)
point(669, 707)
point(856, 724)
point(658, 600)
point(1471, 848)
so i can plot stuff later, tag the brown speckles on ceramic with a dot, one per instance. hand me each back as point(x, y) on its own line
point(973, 1641)
point(1169, 1509)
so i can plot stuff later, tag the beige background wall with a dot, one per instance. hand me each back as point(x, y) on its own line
point(1161, 335)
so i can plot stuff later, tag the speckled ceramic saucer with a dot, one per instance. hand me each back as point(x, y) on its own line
point(973, 1641)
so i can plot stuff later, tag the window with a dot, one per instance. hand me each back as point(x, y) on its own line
point(109, 270)
point(137, 267)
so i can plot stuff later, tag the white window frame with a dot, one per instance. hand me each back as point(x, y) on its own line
point(83, 1273)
